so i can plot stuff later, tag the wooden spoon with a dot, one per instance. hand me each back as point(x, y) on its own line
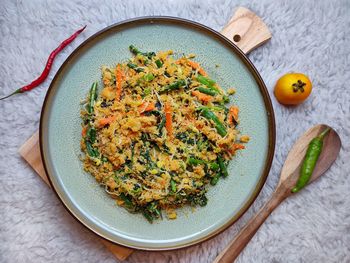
point(289, 176)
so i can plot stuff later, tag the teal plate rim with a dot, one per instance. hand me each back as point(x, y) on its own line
point(244, 59)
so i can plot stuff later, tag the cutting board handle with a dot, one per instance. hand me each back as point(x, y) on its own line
point(246, 30)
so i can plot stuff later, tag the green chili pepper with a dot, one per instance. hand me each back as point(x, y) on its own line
point(135, 67)
point(209, 115)
point(313, 152)
point(176, 85)
point(223, 167)
point(208, 91)
point(92, 97)
point(159, 63)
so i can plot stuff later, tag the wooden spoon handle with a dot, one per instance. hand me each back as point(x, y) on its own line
point(246, 30)
point(234, 248)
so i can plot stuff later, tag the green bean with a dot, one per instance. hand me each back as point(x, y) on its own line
point(132, 154)
point(201, 200)
point(205, 81)
point(148, 216)
point(215, 179)
point(161, 125)
point(89, 141)
point(135, 67)
point(214, 108)
point(223, 168)
point(92, 152)
point(91, 134)
point(173, 185)
point(208, 91)
point(127, 202)
point(153, 112)
point(209, 115)
point(158, 212)
point(214, 166)
point(194, 161)
point(226, 99)
point(159, 63)
point(136, 51)
point(176, 85)
point(151, 212)
point(312, 153)
point(92, 97)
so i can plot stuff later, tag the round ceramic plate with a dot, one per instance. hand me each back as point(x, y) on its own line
point(60, 133)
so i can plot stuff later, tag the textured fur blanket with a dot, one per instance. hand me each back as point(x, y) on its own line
point(308, 36)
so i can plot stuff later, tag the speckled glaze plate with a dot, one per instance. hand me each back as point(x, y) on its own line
point(60, 133)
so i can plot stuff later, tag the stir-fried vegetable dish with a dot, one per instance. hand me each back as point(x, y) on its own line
point(158, 133)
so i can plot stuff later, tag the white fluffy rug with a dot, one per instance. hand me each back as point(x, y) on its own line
point(308, 36)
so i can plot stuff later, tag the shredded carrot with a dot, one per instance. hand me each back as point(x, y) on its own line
point(201, 96)
point(195, 65)
point(119, 79)
point(146, 106)
point(168, 118)
point(236, 147)
point(105, 121)
point(179, 61)
point(233, 114)
point(83, 131)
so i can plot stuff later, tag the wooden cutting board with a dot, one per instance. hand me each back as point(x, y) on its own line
point(30, 151)
point(245, 29)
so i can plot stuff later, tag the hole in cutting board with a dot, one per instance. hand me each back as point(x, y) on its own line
point(236, 38)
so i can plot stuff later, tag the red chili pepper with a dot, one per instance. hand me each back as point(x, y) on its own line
point(48, 66)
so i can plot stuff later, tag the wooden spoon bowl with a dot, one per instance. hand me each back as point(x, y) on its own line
point(288, 179)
